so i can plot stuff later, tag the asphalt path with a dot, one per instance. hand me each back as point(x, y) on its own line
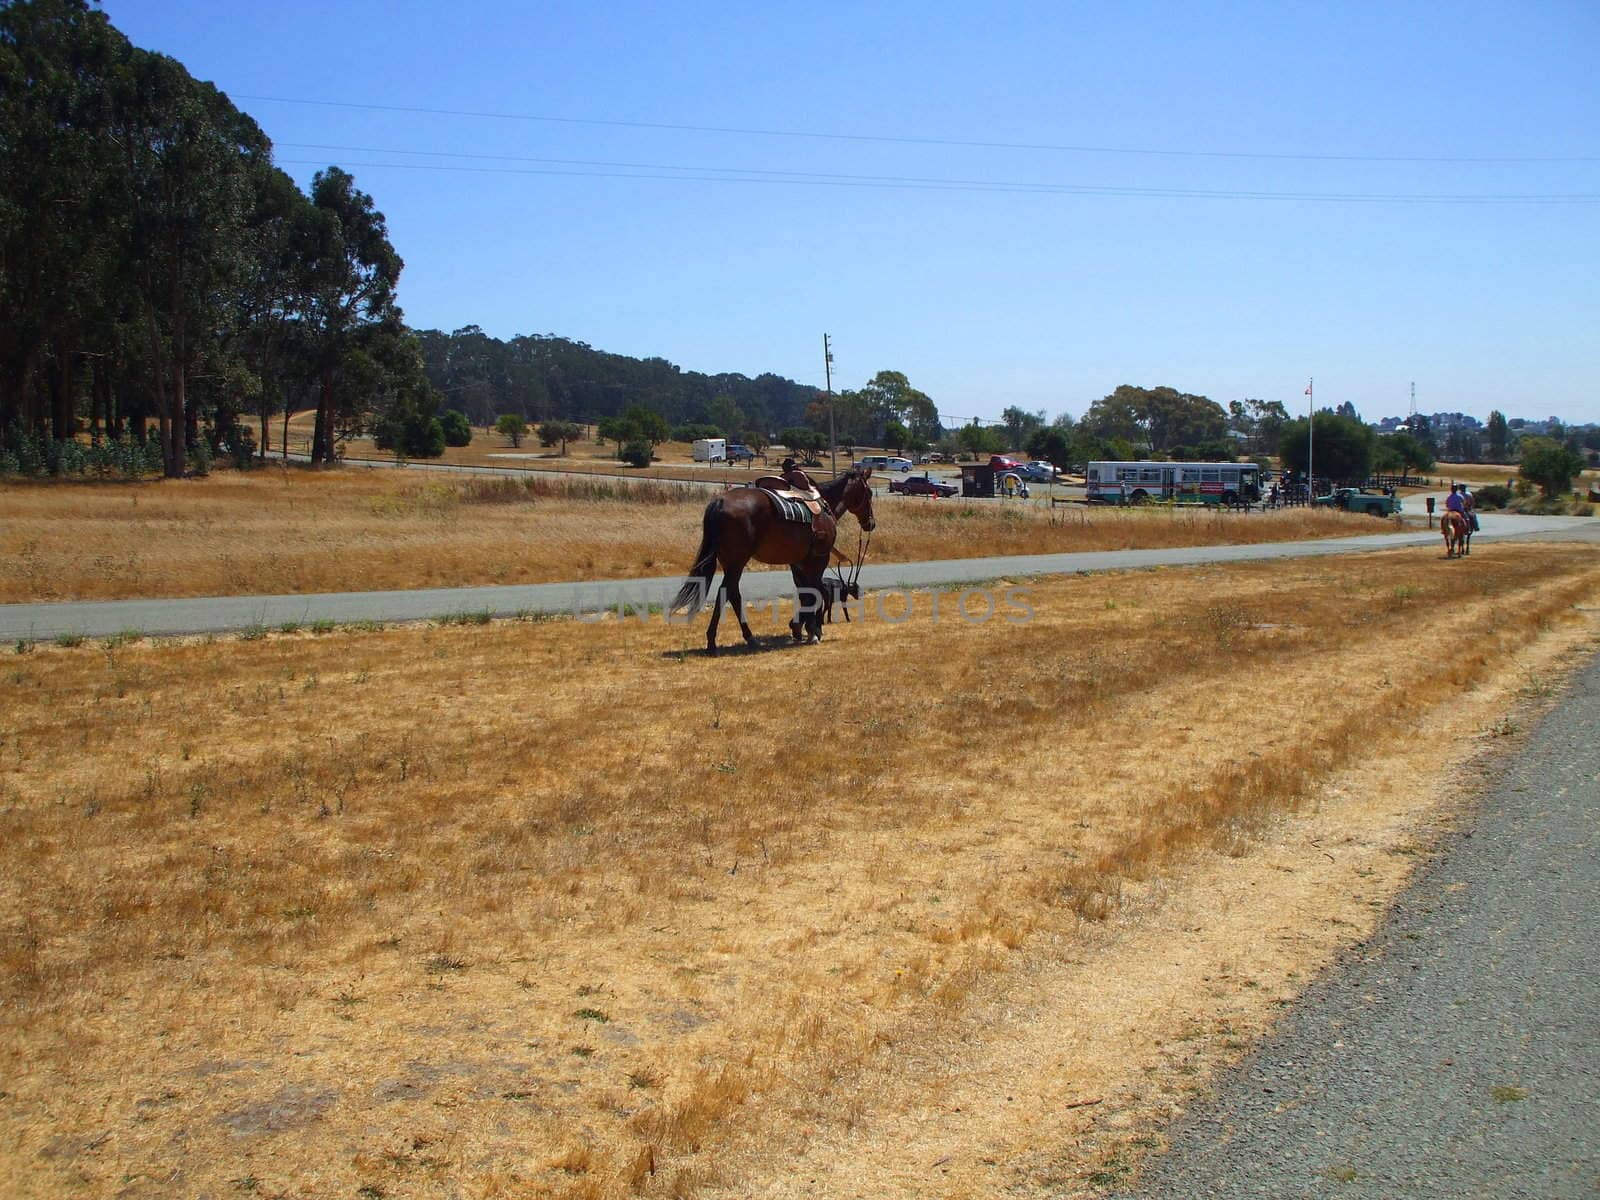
point(1457, 1052)
point(221, 614)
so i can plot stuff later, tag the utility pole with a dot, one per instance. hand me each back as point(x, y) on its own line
point(1413, 401)
point(827, 372)
point(1311, 421)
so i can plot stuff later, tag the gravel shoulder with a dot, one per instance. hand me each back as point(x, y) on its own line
point(1456, 1053)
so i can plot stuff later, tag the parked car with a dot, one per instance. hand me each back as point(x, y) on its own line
point(1039, 472)
point(1359, 500)
point(1001, 463)
point(899, 464)
point(922, 485)
point(738, 452)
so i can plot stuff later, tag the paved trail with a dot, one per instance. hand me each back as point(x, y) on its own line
point(218, 614)
point(1458, 1053)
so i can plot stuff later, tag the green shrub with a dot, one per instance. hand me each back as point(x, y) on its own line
point(512, 427)
point(457, 429)
point(1492, 496)
point(637, 453)
point(200, 458)
point(239, 444)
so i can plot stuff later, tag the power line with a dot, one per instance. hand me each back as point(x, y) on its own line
point(986, 184)
point(696, 175)
point(923, 141)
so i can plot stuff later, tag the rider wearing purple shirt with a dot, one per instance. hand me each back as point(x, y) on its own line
point(1453, 501)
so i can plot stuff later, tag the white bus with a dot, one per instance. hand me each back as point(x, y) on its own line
point(1181, 482)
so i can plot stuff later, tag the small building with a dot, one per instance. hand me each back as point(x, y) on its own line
point(977, 479)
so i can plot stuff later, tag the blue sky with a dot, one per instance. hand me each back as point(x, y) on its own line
point(985, 298)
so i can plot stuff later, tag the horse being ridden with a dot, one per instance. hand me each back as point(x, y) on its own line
point(744, 523)
point(1457, 532)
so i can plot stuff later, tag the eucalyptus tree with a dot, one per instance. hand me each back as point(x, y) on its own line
point(59, 216)
point(348, 276)
point(190, 162)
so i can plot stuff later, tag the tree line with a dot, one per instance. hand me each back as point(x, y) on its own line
point(162, 281)
point(159, 274)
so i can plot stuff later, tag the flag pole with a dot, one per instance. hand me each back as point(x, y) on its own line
point(1311, 421)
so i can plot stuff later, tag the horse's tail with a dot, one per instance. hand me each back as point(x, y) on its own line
point(692, 595)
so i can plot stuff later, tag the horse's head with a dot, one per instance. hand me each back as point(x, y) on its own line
point(858, 497)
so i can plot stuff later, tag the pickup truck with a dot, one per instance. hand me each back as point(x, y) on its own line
point(1357, 500)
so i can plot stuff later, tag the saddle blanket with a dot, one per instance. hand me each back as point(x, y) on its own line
point(790, 509)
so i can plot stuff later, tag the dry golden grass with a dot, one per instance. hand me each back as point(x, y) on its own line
point(1480, 474)
point(674, 460)
point(559, 909)
point(293, 530)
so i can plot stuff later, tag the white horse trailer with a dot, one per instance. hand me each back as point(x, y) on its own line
point(711, 450)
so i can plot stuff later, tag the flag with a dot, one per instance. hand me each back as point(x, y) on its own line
point(1308, 389)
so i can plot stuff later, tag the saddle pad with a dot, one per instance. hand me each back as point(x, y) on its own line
point(790, 509)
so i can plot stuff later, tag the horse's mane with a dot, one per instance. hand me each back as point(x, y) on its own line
point(839, 481)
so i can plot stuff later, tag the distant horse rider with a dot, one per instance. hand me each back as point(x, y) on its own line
point(797, 477)
point(1469, 507)
point(1457, 502)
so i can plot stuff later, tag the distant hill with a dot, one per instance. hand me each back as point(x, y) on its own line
point(545, 377)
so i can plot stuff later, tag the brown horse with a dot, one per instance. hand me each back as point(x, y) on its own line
point(744, 523)
point(1457, 532)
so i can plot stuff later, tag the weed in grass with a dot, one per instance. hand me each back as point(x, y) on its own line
point(125, 637)
point(1112, 1172)
point(643, 1078)
point(363, 626)
point(22, 646)
point(481, 617)
point(1343, 1173)
point(69, 641)
point(289, 627)
point(323, 625)
point(592, 1014)
point(1537, 686)
point(440, 963)
point(582, 1051)
point(252, 633)
point(1505, 1094)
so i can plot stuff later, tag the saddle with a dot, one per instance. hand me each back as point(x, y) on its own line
point(794, 504)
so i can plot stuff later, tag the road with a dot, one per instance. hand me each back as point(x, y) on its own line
point(1457, 1053)
point(38, 622)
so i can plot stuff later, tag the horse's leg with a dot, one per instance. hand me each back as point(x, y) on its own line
point(716, 616)
point(799, 604)
point(730, 582)
point(811, 595)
